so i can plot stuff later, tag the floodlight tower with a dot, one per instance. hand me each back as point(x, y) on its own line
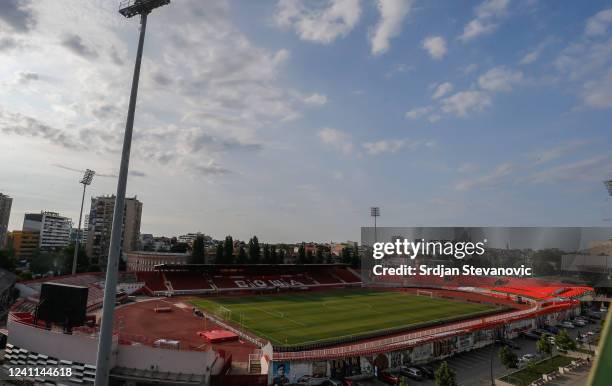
point(608, 185)
point(86, 180)
point(128, 8)
point(375, 212)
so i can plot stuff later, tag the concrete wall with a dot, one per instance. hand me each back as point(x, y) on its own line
point(176, 361)
point(77, 348)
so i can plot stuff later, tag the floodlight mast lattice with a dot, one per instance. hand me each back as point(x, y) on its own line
point(86, 180)
point(129, 8)
point(375, 212)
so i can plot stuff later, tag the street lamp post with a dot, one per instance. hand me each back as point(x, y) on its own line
point(128, 9)
point(86, 180)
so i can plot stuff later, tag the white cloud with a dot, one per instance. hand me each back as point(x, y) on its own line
point(530, 57)
point(436, 46)
point(470, 68)
point(464, 102)
point(392, 15)
point(316, 99)
point(384, 146)
point(598, 24)
point(492, 8)
point(598, 93)
point(589, 169)
point(394, 145)
point(559, 151)
point(442, 90)
point(486, 21)
point(316, 23)
point(490, 179)
point(499, 79)
point(336, 139)
point(418, 112)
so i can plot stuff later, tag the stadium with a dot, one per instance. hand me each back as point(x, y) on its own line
point(277, 324)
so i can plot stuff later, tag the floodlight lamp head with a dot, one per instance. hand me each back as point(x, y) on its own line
point(87, 177)
point(131, 8)
point(375, 211)
point(609, 186)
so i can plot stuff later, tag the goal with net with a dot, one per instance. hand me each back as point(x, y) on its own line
point(225, 313)
point(425, 293)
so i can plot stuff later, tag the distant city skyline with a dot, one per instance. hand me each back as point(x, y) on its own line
point(290, 119)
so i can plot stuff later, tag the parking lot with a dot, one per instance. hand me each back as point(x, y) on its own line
point(474, 368)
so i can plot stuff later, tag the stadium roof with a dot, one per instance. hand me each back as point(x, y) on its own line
point(196, 267)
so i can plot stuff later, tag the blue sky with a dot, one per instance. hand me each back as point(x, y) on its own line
point(288, 119)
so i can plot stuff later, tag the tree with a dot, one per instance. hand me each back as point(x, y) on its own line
point(254, 250)
point(547, 261)
point(508, 358)
point(345, 257)
point(319, 256)
point(564, 341)
point(197, 251)
point(302, 254)
point(281, 256)
point(273, 255)
point(43, 262)
point(445, 376)
point(242, 256)
point(309, 257)
point(228, 250)
point(179, 248)
point(544, 346)
point(7, 260)
point(266, 254)
point(219, 254)
point(67, 256)
point(355, 260)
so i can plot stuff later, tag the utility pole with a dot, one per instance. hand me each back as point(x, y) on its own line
point(128, 9)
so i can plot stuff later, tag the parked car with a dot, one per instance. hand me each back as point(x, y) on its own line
point(579, 323)
point(527, 357)
point(427, 371)
point(389, 378)
point(531, 335)
point(567, 325)
point(511, 344)
point(332, 382)
point(552, 329)
point(308, 380)
point(412, 373)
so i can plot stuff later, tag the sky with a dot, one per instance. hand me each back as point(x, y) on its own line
point(288, 119)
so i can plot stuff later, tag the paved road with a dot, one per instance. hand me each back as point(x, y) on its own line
point(473, 368)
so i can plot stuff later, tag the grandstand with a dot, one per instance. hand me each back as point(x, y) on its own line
point(183, 279)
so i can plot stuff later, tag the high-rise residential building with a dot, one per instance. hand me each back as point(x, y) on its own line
point(54, 229)
point(5, 214)
point(101, 223)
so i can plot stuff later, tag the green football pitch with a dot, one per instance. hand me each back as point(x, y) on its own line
point(298, 319)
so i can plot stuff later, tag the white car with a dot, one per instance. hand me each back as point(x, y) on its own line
point(527, 358)
point(579, 323)
point(567, 325)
